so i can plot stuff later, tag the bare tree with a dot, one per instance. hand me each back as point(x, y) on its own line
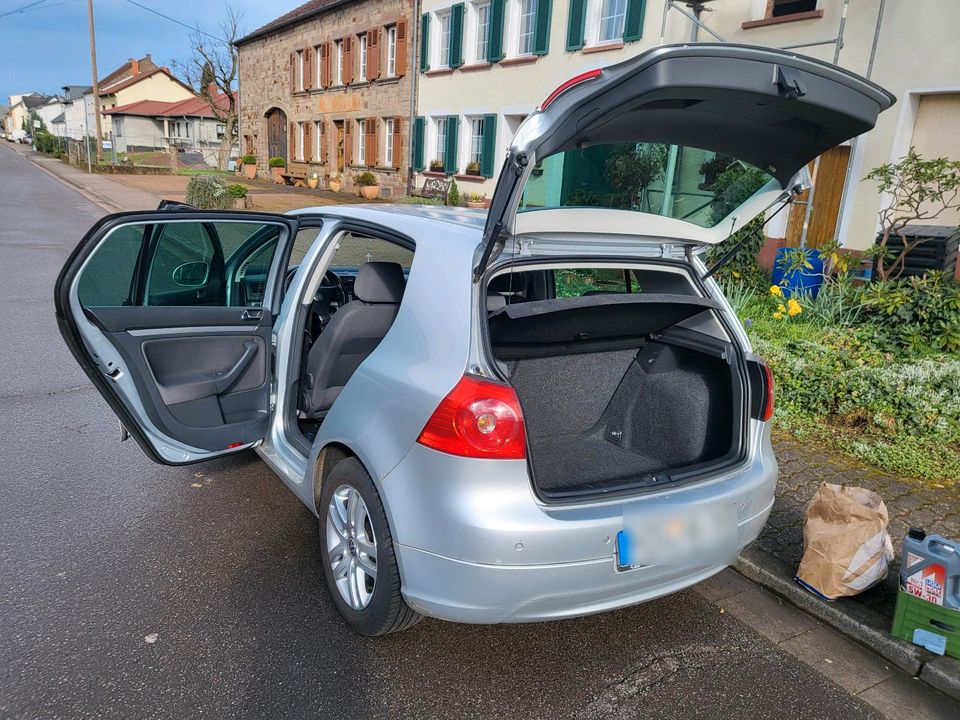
point(215, 61)
point(918, 190)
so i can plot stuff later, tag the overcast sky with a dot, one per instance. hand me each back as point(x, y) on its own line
point(45, 47)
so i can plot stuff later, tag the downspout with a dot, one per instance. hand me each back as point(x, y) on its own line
point(414, 81)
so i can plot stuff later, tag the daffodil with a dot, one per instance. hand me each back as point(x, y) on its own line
point(776, 291)
point(781, 308)
point(778, 316)
point(793, 307)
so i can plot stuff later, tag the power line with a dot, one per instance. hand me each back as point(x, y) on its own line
point(173, 20)
point(22, 8)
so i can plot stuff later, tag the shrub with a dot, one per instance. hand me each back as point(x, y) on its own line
point(278, 162)
point(208, 192)
point(417, 200)
point(919, 314)
point(237, 191)
point(365, 179)
point(453, 194)
point(248, 160)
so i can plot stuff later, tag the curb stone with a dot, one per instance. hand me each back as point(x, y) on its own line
point(858, 622)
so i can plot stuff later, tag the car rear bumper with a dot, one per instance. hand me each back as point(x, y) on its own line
point(474, 544)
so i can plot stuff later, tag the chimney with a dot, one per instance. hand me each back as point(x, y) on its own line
point(135, 66)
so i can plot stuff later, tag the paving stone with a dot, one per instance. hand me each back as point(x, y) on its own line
point(848, 664)
point(723, 585)
point(769, 615)
point(901, 696)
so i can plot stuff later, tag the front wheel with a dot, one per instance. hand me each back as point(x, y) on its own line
point(356, 549)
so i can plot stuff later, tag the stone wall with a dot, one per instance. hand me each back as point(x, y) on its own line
point(268, 84)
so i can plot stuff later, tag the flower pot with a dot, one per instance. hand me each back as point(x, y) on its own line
point(370, 192)
point(478, 205)
point(277, 173)
point(807, 280)
point(250, 172)
point(334, 186)
point(312, 182)
point(240, 203)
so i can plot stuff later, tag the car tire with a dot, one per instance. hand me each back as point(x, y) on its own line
point(370, 606)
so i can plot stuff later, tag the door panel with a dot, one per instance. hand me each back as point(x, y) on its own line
point(170, 314)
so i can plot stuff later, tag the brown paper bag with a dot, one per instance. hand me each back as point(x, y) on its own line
point(846, 548)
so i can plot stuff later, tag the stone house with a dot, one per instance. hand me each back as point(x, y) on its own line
point(329, 85)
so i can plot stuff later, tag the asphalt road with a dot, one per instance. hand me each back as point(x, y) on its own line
point(101, 551)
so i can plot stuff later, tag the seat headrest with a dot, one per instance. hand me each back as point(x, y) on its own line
point(495, 301)
point(379, 282)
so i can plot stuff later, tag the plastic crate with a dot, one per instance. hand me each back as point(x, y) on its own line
point(913, 614)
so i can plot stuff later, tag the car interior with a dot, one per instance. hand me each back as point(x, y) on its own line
point(352, 311)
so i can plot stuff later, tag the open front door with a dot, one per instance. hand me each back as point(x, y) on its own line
point(170, 313)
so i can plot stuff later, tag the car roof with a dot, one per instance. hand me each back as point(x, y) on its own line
point(464, 218)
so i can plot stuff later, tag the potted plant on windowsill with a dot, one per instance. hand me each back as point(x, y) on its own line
point(277, 166)
point(334, 183)
point(436, 166)
point(473, 168)
point(313, 179)
point(239, 194)
point(367, 182)
point(249, 165)
point(477, 200)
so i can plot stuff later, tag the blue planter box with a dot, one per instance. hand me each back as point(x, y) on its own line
point(805, 281)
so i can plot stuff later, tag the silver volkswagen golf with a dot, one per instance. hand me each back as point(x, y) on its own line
point(546, 411)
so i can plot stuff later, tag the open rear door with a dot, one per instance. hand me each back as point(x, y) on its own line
point(170, 313)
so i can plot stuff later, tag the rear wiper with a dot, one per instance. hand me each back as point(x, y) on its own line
point(732, 252)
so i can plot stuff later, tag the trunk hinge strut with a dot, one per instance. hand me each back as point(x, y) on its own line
point(493, 235)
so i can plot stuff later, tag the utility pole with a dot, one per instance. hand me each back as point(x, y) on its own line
point(96, 85)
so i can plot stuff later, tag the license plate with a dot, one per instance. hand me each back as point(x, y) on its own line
point(678, 535)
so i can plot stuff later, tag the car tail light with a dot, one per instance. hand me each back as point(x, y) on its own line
point(766, 412)
point(576, 80)
point(479, 419)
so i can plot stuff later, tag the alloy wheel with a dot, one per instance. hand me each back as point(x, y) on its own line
point(351, 546)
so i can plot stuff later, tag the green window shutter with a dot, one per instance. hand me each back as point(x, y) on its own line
point(418, 130)
point(633, 23)
point(541, 34)
point(450, 159)
point(489, 145)
point(495, 32)
point(425, 42)
point(576, 22)
point(456, 36)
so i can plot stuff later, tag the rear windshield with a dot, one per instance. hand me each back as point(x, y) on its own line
point(686, 183)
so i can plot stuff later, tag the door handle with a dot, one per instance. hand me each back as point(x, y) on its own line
point(251, 314)
point(226, 380)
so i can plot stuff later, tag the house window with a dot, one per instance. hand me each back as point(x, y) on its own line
point(299, 69)
point(528, 25)
point(392, 51)
point(476, 140)
point(612, 15)
point(441, 139)
point(779, 8)
point(338, 62)
point(483, 25)
point(221, 130)
point(361, 142)
point(318, 140)
point(443, 59)
point(301, 149)
point(363, 56)
point(388, 142)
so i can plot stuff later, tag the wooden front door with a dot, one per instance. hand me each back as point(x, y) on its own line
point(339, 126)
point(829, 173)
point(276, 133)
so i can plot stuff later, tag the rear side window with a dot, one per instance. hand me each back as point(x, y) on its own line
point(578, 282)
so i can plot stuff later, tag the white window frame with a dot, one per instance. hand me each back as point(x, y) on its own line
point(361, 142)
point(474, 154)
point(479, 32)
point(388, 142)
point(439, 146)
point(317, 141)
point(317, 76)
point(392, 51)
point(518, 35)
point(599, 7)
point(338, 59)
point(300, 70)
point(362, 42)
point(442, 55)
point(301, 150)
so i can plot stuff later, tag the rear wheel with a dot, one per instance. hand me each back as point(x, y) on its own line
point(356, 548)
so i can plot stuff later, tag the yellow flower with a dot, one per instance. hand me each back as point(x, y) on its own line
point(776, 291)
point(793, 307)
point(781, 308)
point(778, 316)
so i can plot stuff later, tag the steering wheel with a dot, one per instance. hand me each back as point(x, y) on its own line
point(330, 292)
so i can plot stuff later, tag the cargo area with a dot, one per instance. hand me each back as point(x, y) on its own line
point(620, 390)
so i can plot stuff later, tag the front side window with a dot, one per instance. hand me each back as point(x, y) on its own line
point(392, 51)
point(476, 141)
point(441, 140)
point(363, 57)
point(388, 141)
point(528, 25)
point(612, 15)
point(483, 28)
point(338, 62)
point(444, 40)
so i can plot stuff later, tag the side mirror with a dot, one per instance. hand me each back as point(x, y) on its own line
point(192, 274)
